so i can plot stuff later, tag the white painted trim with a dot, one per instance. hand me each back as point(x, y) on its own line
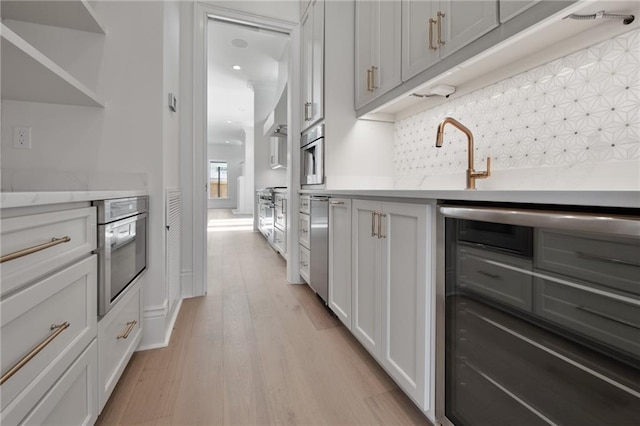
point(156, 328)
point(202, 11)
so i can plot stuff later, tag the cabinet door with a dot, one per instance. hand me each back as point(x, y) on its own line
point(405, 297)
point(366, 315)
point(465, 21)
point(378, 42)
point(417, 56)
point(317, 74)
point(340, 259)
point(306, 66)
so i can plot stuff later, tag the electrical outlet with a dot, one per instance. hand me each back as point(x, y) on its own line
point(22, 137)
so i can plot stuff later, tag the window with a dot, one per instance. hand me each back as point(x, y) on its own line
point(218, 179)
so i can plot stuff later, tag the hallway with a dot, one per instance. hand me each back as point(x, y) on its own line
point(255, 350)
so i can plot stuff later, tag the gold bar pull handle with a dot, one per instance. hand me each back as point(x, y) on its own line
point(373, 78)
point(130, 326)
point(373, 223)
point(380, 216)
point(34, 249)
point(59, 328)
point(431, 22)
point(369, 72)
point(440, 16)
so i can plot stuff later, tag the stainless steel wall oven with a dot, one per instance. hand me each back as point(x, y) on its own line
point(541, 317)
point(312, 156)
point(122, 247)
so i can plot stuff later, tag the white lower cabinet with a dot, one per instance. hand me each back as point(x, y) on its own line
point(340, 259)
point(392, 288)
point(73, 400)
point(119, 333)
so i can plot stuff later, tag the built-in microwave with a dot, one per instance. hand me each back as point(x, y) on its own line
point(122, 247)
point(312, 156)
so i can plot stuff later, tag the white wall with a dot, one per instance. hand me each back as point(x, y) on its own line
point(132, 134)
point(264, 101)
point(235, 157)
point(358, 154)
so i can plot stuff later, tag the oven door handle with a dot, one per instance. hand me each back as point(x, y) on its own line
point(576, 221)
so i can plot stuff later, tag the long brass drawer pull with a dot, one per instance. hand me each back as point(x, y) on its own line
point(59, 328)
point(39, 247)
point(604, 259)
point(369, 73)
point(336, 203)
point(130, 326)
point(609, 317)
point(490, 275)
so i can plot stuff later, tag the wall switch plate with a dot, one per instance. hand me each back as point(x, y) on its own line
point(173, 102)
point(22, 137)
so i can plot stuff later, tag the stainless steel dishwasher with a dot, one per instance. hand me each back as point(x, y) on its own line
point(319, 247)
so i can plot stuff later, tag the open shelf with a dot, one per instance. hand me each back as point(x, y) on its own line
point(72, 14)
point(28, 75)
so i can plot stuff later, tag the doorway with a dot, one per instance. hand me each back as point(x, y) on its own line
point(221, 133)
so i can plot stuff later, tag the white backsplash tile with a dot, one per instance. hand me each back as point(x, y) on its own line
point(579, 110)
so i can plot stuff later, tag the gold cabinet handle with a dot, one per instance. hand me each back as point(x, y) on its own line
point(369, 72)
point(431, 22)
point(336, 203)
point(373, 224)
point(440, 16)
point(39, 247)
point(125, 334)
point(380, 216)
point(373, 78)
point(59, 328)
point(307, 115)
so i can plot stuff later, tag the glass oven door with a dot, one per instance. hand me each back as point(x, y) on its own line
point(124, 258)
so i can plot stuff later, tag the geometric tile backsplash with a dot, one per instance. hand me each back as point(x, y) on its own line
point(582, 108)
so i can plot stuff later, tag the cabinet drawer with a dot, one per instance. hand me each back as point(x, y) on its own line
point(68, 296)
point(24, 232)
point(280, 220)
point(486, 273)
point(610, 261)
point(305, 204)
point(119, 333)
point(587, 310)
point(305, 257)
point(280, 241)
point(73, 399)
point(304, 226)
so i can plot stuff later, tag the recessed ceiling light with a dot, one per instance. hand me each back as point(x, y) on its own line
point(238, 42)
point(229, 121)
point(236, 67)
point(227, 142)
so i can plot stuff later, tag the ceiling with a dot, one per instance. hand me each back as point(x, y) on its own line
point(230, 97)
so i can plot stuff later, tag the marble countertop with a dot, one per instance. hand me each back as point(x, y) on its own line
point(627, 199)
point(27, 199)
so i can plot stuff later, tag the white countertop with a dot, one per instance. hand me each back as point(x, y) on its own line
point(27, 199)
point(628, 199)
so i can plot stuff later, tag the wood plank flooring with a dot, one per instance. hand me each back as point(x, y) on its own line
point(255, 350)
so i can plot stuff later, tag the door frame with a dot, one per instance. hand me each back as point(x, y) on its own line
point(199, 161)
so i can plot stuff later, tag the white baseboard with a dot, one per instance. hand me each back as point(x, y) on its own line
point(158, 325)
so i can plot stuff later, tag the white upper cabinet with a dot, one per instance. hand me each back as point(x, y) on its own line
point(432, 31)
point(377, 49)
point(512, 8)
point(28, 74)
point(312, 56)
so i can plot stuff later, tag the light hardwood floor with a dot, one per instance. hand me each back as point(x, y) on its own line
point(255, 350)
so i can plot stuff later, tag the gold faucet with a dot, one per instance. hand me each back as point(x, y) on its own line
point(472, 175)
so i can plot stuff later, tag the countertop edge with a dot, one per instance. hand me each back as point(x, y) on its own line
point(27, 199)
point(621, 199)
